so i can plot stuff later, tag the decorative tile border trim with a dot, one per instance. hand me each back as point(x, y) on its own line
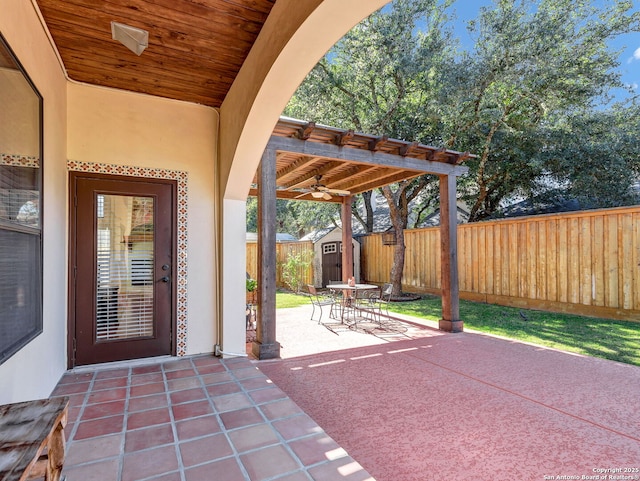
point(181, 178)
point(19, 160)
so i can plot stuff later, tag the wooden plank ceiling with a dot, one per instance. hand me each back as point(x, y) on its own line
point(196, 47)
point(299, 174)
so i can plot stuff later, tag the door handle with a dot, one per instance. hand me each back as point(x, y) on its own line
point(165, 279)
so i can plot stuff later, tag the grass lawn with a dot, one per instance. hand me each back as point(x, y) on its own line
point(286, 299)
point(614, 340)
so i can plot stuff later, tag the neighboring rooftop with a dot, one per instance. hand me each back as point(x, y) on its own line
point(280, 237)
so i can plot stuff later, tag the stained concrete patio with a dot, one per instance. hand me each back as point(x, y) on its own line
point(436, 406)
point(412, 403)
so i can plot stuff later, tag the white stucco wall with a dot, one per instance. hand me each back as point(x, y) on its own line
point(234, 280)
point(34, 371)
point(116, 127)
point(106, 126)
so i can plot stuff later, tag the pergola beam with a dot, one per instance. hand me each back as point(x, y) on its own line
point(336, 180)
point(302, 179)
point(345, 137)
point(295, 195)
point(305, 132)
point(388, 178)
point(365, 156)
point(295, 166)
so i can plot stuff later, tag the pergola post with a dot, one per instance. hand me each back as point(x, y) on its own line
point(449, 255)
point(347, 239)
point(265, 346)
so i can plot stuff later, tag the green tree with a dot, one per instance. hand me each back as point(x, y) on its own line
point(297, 218)
point(593, 158)
point(536, 76)
point(380, 79)
point(532, 61)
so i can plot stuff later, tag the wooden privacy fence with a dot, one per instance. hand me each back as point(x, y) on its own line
point(283, 251)
point(584, 262)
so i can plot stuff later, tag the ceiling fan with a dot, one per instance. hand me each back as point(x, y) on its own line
point(321, 191)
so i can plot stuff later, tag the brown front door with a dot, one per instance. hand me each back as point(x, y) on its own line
point(122, 298)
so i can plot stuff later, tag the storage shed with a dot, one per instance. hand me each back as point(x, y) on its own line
point(327, 259)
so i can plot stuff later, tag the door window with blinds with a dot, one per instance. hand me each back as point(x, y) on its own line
point(20, 206)
point(122, 247)
point(124, 267)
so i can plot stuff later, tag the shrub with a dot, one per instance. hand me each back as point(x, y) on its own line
point(294, 269)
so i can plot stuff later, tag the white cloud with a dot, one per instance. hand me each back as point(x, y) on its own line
point(636, 54)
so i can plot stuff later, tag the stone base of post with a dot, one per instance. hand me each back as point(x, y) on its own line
point(450, 326)
point(265, 351)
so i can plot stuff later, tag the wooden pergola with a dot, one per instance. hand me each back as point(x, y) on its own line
point(307, 161)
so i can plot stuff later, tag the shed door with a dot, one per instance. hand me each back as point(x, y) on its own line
point(331, 262)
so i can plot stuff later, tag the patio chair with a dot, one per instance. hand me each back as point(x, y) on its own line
point(366, 300)
point(338, 296)
point(380, 300)
point(333, 291)
point(319, 300)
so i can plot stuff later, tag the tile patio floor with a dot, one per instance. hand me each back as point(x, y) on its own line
point(536, 411)
point(193, 419)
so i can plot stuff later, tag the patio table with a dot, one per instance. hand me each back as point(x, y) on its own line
point(349, 298)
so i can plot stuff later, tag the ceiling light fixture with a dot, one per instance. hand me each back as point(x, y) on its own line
point(135, 39)
point(317, 195)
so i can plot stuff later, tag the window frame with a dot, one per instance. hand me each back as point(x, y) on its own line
point(329, 248)
point(38, 259)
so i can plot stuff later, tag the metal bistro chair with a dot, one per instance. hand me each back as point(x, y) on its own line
point(320, 301)
point(338, 296)
point(381, 301)
point(367, 302)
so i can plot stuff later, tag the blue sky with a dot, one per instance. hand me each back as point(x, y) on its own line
point(629, 44)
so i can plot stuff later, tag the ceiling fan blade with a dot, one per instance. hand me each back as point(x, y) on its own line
point(326, 196)
point(339, 191)
point(301, 195)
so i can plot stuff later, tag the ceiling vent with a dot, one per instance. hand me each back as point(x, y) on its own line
point(135, 39)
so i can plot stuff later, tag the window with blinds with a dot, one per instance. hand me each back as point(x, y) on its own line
point(20, 292)
point(20, 206)
point(20, 258)
point(124, 267)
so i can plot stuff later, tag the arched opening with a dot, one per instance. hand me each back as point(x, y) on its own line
point(293, 39)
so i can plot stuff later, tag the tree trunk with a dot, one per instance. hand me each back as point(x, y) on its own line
point(398, 264)
point(398, 223)
point(367, 220)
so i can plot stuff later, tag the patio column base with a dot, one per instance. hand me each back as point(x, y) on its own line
point(450, 326)
point(265, 351)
